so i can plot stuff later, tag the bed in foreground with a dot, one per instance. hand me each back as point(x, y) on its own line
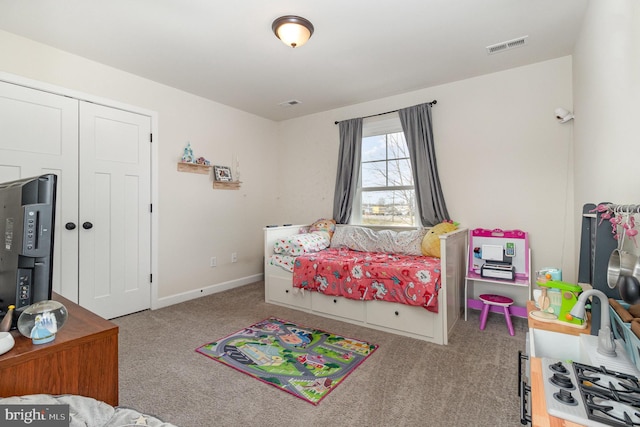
point(45, 409)
point(429, 317)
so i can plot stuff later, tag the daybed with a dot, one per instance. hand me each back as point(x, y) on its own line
point(429, 316)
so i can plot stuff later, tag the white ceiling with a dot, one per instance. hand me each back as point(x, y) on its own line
point(361, 49)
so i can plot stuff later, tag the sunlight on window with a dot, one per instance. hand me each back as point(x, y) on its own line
point(387, 195)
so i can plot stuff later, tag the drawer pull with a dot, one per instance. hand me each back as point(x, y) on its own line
point(335, 301)
point(397, 313)
point(287, 291)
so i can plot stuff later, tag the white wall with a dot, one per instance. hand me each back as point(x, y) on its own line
point(194, 222)
point(504, 161)
point(607, 104)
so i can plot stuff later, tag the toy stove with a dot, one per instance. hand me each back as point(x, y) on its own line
point(589, 395)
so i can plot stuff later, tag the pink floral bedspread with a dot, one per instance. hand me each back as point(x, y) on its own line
point(406, 279)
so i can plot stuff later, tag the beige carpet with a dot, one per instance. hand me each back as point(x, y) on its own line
point(406, 382)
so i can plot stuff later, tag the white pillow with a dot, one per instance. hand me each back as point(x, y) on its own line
point(387, 241)
point(299, 244)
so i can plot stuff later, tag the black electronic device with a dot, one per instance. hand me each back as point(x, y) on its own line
point(498, 270)
point(497, 263)
point(27, 222)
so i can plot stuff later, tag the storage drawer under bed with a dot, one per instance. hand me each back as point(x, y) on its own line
point(401, 317)
point(338, 306)
point(281, 291)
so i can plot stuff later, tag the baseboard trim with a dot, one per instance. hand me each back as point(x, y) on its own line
point(209, 290)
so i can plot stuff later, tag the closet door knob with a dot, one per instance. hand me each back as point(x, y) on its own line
point(70, 226)
point(87, 225)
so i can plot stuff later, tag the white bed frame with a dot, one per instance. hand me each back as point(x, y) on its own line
point(411, 321)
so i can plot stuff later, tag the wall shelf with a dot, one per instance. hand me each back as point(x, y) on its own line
point(226, 185)
point(194, 168)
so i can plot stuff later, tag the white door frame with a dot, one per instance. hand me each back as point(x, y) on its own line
point(58, 90)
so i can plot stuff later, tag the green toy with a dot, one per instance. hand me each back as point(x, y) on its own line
point(568, 298)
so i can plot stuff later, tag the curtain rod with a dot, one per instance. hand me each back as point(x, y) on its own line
point(434, 102)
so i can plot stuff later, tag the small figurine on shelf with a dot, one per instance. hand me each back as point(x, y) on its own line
point(202, 161)
point(187, 156)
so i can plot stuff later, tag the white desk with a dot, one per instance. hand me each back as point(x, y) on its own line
point(519, 289)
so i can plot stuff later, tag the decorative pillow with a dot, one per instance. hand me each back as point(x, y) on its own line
point(325, 225)
point(299, 244)
point(431, 241)
point(387, 241)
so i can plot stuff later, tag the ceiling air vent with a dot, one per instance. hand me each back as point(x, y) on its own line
point(290, 103)
point(511, 44)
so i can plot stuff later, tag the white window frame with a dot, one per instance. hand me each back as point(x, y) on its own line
point(373, 126)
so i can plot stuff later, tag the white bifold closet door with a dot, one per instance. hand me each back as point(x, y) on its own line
point(102, 244)
point(115, 215)
point(38, 135)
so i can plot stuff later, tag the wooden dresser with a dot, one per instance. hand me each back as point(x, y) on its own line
point(82, 360)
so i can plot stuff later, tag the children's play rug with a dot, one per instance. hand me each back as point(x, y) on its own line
point(305, 362)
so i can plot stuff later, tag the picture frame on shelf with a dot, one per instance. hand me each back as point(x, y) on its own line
point(222, 173)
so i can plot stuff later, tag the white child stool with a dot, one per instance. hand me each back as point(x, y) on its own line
point(498, 300)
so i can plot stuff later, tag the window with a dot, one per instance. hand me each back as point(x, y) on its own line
point(385, 194)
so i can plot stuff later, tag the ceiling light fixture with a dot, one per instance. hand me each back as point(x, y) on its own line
point(293, 30)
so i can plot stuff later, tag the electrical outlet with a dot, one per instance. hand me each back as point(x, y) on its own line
point(214, 262)
point(234, 257)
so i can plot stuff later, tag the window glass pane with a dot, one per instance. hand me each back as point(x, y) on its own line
point(374, 148)
point(397, 146)
point(385, 192)
point(391, 207)
point(399, 173)
point(374, 174)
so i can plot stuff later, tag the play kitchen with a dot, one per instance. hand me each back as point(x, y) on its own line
point(578, 379)
point(584, 379)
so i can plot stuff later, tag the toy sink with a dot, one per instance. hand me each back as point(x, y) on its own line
point(578, 348)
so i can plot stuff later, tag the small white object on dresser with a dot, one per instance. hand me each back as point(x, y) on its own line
point(6, 342)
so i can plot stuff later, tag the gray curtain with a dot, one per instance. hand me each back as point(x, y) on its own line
point(416, 124)
point(348, 169)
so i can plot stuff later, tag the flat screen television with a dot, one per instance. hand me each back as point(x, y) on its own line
point(27, 219)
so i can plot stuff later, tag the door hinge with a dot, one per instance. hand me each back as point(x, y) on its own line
point(151, 207)
point(150, 278)
point(150, 137)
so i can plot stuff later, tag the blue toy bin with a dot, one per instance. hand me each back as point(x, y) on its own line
point(622, 331)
